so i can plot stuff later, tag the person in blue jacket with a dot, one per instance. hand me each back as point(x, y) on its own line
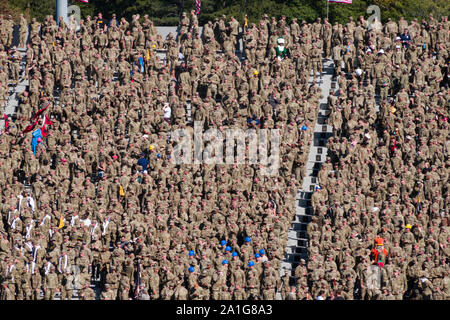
point(143, 162)
point(37, 138)
point(405, 38)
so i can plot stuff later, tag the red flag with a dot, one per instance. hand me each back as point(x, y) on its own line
point(48, 121)
point(44, 132)
point(44, 129)
point(30, 127)
point(37, 114)
point(6, 120)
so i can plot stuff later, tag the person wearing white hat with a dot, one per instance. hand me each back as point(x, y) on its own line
point(366, 62)
point(167, 112)
point(280, 49)
point(398, 57)
point(358, 72)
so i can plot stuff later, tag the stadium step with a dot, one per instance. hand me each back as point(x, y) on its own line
point(297, 243)
point(12, 101)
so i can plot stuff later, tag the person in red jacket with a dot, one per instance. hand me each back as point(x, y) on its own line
point(379, 253)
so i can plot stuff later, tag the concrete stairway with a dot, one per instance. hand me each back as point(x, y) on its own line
point(297, 244)
point(12, 101)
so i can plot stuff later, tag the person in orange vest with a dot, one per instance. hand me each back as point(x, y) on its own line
point(379, 253)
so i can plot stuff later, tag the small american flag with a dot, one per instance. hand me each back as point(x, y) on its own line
point(341, 1)
point(198, 4)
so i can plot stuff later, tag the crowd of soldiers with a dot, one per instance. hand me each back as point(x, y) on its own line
point(99, 202)
point(386, 174)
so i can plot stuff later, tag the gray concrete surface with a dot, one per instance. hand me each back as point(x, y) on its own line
point(297, 244)
point(12, 101)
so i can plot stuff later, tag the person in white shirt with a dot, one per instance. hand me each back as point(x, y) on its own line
point(320, 296)
point(74, 219)
point(167, 112)
point(29, 201)
point(86, 221)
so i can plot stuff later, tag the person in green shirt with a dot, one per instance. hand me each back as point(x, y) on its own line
point(281, 49)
